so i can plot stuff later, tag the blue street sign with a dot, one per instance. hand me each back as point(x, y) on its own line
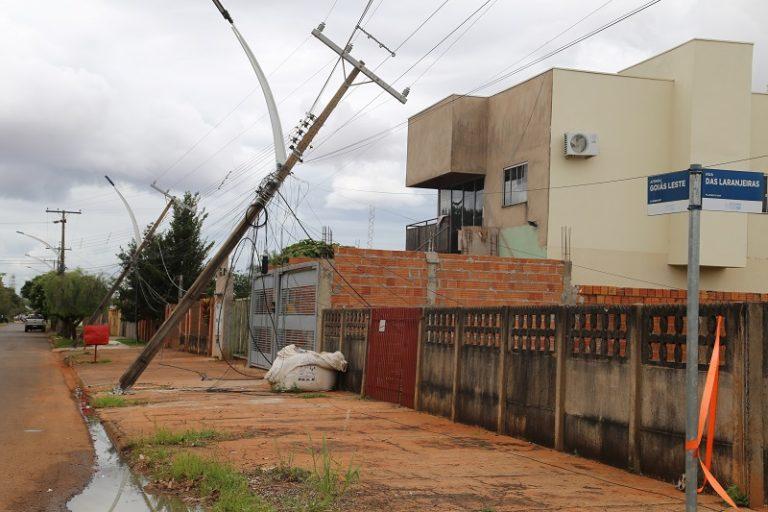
point(668, 193)
point(721, 190)
point(732, 191)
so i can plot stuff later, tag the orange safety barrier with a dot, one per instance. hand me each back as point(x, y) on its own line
point(707, 415)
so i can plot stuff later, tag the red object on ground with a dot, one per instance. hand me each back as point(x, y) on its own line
point(96, 334)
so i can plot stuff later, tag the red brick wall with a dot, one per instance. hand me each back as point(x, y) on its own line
point(400, 278)
point(614, 295)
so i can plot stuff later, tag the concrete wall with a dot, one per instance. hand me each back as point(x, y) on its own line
point(518, 132)
point(446, 142)
point(605, 382)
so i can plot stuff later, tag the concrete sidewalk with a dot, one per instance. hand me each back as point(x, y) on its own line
point(408, 460)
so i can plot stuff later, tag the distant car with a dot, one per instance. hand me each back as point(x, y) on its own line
point(34, 323)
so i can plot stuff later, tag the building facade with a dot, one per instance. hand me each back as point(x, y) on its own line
point(508, 187)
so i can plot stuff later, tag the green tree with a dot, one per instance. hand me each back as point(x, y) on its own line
point(34, 293)
point(71, 297)
point(10, 303)
point(241, 284)
point(180, 250)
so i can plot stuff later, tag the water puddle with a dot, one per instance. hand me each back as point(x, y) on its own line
point(114, 487)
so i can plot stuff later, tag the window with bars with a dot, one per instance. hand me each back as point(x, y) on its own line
point(515, 184)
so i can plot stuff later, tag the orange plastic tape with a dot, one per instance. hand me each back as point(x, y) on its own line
point(707, 416)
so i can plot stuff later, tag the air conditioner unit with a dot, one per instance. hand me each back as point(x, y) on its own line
point(581, 144)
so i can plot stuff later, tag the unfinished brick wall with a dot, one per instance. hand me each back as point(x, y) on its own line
point(616, 295)
point(407, 278)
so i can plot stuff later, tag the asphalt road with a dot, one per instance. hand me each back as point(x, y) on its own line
point(45, 449)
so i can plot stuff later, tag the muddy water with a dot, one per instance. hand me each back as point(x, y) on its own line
point(114, 487)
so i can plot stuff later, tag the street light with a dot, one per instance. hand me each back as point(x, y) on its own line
point(274, 117)
point(49, 246)
point(136, 231)
point(41, 260)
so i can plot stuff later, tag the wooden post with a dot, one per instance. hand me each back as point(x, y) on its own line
point(458, 341)
point(735, 324)
point(754, 391)
point(561, 351)
point(419, 356)
point(502, 382)
point(635, 340)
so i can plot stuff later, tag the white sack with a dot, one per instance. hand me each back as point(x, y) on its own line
point(306, 370)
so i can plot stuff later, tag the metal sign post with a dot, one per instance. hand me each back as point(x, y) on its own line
point(692, 335)
point(696, 189)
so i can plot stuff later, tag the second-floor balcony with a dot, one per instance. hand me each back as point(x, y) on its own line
point(430, 235)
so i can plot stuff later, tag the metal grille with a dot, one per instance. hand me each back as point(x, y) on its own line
point(331, 330)
point(283, 312)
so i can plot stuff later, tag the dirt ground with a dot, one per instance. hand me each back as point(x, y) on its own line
point(408, 460)
point(46, 450)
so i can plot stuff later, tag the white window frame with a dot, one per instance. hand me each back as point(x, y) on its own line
point(518, 185)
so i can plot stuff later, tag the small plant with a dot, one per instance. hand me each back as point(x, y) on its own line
point(327, 479)
point(104, 401)
point(738, 496)
point(308, 396)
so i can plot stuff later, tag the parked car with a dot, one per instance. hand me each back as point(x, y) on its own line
point(34, 322)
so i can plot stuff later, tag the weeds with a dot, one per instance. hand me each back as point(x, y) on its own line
point(105, 401)
point(220, 483)
point(131, 342)
point(738, 496)
point(190, 438)
point(308, 396)
point(327, 478)
point(62, 342)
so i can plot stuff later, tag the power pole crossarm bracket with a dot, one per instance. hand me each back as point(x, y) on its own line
point(401, 97)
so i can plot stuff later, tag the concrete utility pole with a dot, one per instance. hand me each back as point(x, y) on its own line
point(692, 336)
point(63, 222)
point(134, 258)
point(264, 194)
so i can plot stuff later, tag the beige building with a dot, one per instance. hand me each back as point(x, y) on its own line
point(508, 187)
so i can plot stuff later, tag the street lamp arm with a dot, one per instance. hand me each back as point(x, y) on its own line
point(49, 246)
point(136, 231)
point(274, 116)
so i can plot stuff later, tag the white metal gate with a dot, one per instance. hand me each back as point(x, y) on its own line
point(283, 312)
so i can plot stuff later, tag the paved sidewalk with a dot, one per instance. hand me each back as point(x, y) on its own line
point(408, 460)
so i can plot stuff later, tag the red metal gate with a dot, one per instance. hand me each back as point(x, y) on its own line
point(390, 368)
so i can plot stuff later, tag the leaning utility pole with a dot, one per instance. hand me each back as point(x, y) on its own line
point(63, 222)
point(265, 192)
point(134, 258)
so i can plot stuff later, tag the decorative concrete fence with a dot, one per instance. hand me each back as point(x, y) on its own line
point(604, 382)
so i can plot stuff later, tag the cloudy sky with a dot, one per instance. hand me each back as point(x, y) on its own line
point(160, 91)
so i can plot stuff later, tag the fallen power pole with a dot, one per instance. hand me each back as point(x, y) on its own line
point(134, 259)
point(264, 194)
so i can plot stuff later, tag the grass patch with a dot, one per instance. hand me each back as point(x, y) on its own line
point(189, 438)
point(308, 396)
point(62, 342)
point(131, 342)
point(222, 488)
point(105, 401)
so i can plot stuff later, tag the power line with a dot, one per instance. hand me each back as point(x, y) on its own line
point(495, 79)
